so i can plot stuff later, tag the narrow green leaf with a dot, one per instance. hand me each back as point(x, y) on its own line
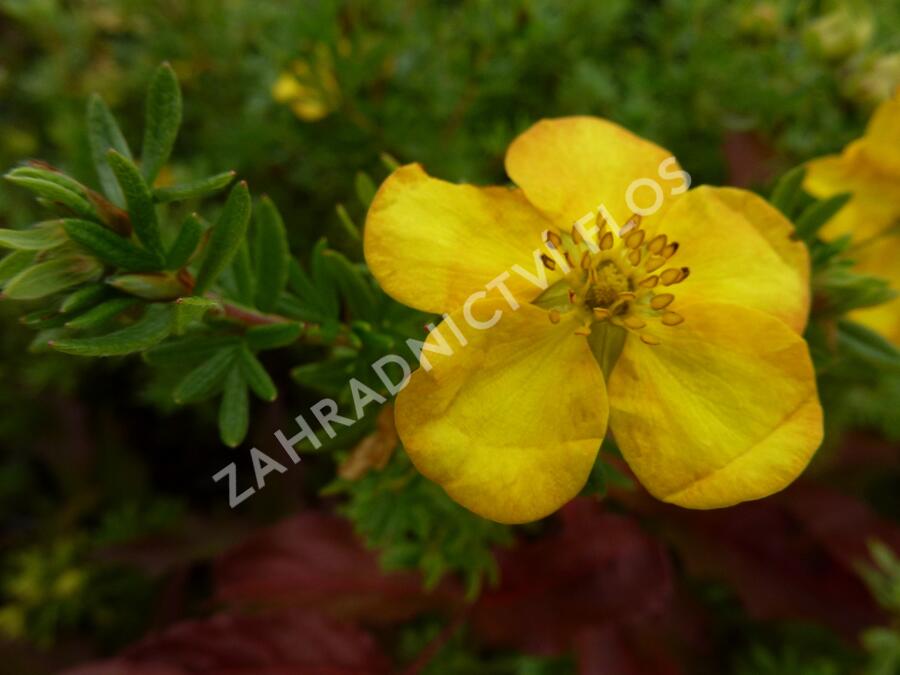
point(150, 285)
point(109, 247)
point(51, 176)
point(256, 376)
point(104, 135)
point(153, 328)
point(188, 350)
point(226, 237)
point(206, 379)
point(390, 163)
point(354, 287)
point(51, 277)
point(817, 214)
point(85, 298)
point(365, 188)
point(271, 254)
point(185, 244)
point(57, 194)
point(788, 190)
point(140, 202)
point(41, 237)
point(352, 238)
point(203, 187)
point(234, 410)
point(191, 309)
point(163, 117)
point(329, 377)
point(102, 313)
point(242, 275)
point(273, 335)
point(869, 346)
point(14, 263)
point(43, 319)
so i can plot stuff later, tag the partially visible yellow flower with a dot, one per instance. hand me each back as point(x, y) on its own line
point(309, 87)
point(712, 400)
point(870, 169)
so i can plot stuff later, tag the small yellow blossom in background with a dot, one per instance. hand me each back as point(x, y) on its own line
point(681, 330)
point(869, 168)
point(309, 87)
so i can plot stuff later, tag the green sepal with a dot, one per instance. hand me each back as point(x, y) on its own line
point(234, 409)
point(225, 238)
point(141, 208)
point(109, 247)
point(163, 117)
point(868, 346)
point(104, 135)
point(154, 327)
point(204, 187)
point(365, 188)
point(205, 380)
point(788, 191)
point(606, 342)
point(271, 255)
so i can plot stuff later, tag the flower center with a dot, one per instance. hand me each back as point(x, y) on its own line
point(621, 279)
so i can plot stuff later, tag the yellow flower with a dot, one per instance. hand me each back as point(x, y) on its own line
point(712, 400)
point(869, 168)
point(309, 87)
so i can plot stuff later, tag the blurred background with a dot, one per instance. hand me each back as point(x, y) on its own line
point(115, 541)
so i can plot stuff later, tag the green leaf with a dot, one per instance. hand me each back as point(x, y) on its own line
point(234, 410)
point(40, 237)
point(273, 335)
point(185, 244)
point(242, 275)
point(189, 350)
point(817, 214)
point(153, 328)
point(271, 254)
point(85, 298)
point(140, 203)
point(109, 247)
point(256, 376)
point(365, 188)
point(104, 135)
point(102, 313)
point(57, 194)
point(51, 277)
point(352, 238)
point(150, 285)
point(203, 187)
point(353, 285)
point(14, 263)
point(191, 309)
point(206, 379)
point(226, 237)
point(163, 117)
point(868, 346)
point(51, 176)
point(329, 377)
point(788, 191)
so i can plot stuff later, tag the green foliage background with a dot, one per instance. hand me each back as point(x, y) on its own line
point(96, 453)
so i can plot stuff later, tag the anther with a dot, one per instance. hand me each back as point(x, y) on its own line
point(657, 244)
point(649, 340)
point(654, 264)
point(576, 235)
point(634, 322)
point(649, 282)
point(662, 300)
point(670, 276)
point(672, 319)
point(549, 262)
point(553, 239)
point(606, 241)
point(630, 224)
point(585, 260)
point(572, 297)
point(583, 330)
point(670, 250)
point(626, 295)
point(601, 313)
point(554, 315)
point(634, 258)
point(635, 239)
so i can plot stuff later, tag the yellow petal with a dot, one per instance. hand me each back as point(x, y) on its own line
point(510, 424)
point(739, 251)
point(723, 410)
point(569, 166)
point(882, 138)
point(431, 244)
point(880, 259)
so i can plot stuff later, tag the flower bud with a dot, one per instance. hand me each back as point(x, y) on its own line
point(838, 35)
point(874, 81)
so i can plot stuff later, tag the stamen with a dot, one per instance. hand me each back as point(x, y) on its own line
point(649, 282)
point(630, 224)
point(601, 313)
point(549, 262)
point(572, 296)
point(649, 340)
point(627, 295)
point(606, 241)
point(672, 319)
point(568, 257)
point(585, 260)
point(553, 239)
point(662, 300)
point(657, 244)
point(583, 330)
point(654, 264)
point(670, 276)
point(635, 239)
point(554, 315)
point(635, 257)
point(576, 235)
point(670, 250)
point(634, 322)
